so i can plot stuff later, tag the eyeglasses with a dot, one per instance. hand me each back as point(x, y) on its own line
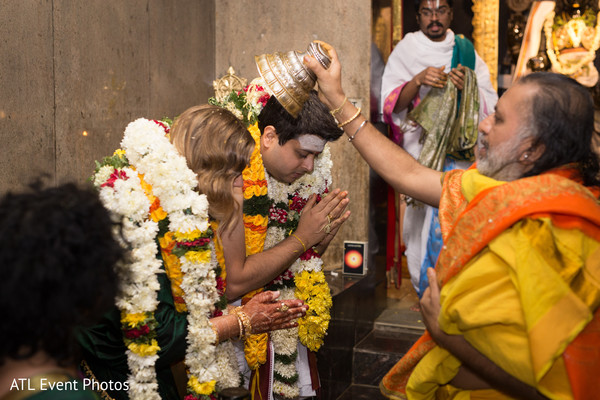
point(440, 12)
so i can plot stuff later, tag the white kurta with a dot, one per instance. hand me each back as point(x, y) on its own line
point(413, 54)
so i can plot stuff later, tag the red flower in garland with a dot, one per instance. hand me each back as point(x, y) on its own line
point(196, 243)
point(117, 174)
point(264, 98)
point(308, 254)
point(297, 203)
point(220, 285)
point(163, 125)
point(278, 214)
point(286, 275)
point(137, 332)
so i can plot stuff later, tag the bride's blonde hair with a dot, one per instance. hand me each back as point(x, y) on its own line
point(217, 147)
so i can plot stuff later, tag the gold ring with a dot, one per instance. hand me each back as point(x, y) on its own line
point(284, 307)
point(328, 228)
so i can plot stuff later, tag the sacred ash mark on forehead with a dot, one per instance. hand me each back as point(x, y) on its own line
point(433, 4)
point(312, 143)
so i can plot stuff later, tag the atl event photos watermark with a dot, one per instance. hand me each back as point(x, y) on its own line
point(42, 384)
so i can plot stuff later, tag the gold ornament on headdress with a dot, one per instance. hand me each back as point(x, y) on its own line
point(230, 82)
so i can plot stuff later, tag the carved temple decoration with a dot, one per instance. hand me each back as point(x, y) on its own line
point(485, 34)
point(398, 28)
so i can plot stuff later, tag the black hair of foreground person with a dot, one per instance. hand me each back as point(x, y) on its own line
point(57, 259)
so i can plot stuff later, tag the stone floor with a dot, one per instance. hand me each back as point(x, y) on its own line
point(395, 330)
point(401, 313)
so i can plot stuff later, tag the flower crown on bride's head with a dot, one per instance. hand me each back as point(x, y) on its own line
point(247, 103)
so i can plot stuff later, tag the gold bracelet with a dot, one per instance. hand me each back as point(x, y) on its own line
point(351, 138)
point(337, 110)
point(214, 328)
point(239, 321)
point(300, 240)
point(245, 320)
point(352, 118)
point(314, 248)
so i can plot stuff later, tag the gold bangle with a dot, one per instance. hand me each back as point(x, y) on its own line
point(239, 321)
point(337, 110)
point(352, 118)
point(245, 320)
point(300, 240)
point(214, 328)
point(351, 138)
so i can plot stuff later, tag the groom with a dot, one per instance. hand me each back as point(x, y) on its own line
point(290, 153)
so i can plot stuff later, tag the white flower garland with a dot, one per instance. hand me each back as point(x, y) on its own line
point(155, 158)
point(138, 296)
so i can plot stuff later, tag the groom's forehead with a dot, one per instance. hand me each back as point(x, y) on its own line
point(311, 143)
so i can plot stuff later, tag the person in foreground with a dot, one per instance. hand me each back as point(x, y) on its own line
point(177, 192)
point(57, 259)
point(517, 314)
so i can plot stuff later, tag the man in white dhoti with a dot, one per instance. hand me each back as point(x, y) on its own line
point(442, 130)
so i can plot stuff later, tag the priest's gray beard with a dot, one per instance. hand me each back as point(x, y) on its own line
point(501, 163)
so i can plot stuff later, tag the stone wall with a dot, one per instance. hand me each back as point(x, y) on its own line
point(245, 29)
point(73, 74)
point(69, 67)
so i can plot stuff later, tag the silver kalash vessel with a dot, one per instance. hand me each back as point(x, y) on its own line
point(287, 78)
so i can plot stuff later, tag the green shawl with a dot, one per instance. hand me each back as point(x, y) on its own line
point(448, 117)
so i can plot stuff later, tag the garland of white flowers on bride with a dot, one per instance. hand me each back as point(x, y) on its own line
point(271, 213)
point(144, 183)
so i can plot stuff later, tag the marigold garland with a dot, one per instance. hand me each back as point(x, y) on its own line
point(255, 230)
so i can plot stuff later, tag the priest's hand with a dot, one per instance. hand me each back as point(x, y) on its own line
point(430, 307)
point(330, 79)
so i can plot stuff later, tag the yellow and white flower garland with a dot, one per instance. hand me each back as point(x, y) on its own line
point(310, 284)
point(163, 171)
point(137, 298)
